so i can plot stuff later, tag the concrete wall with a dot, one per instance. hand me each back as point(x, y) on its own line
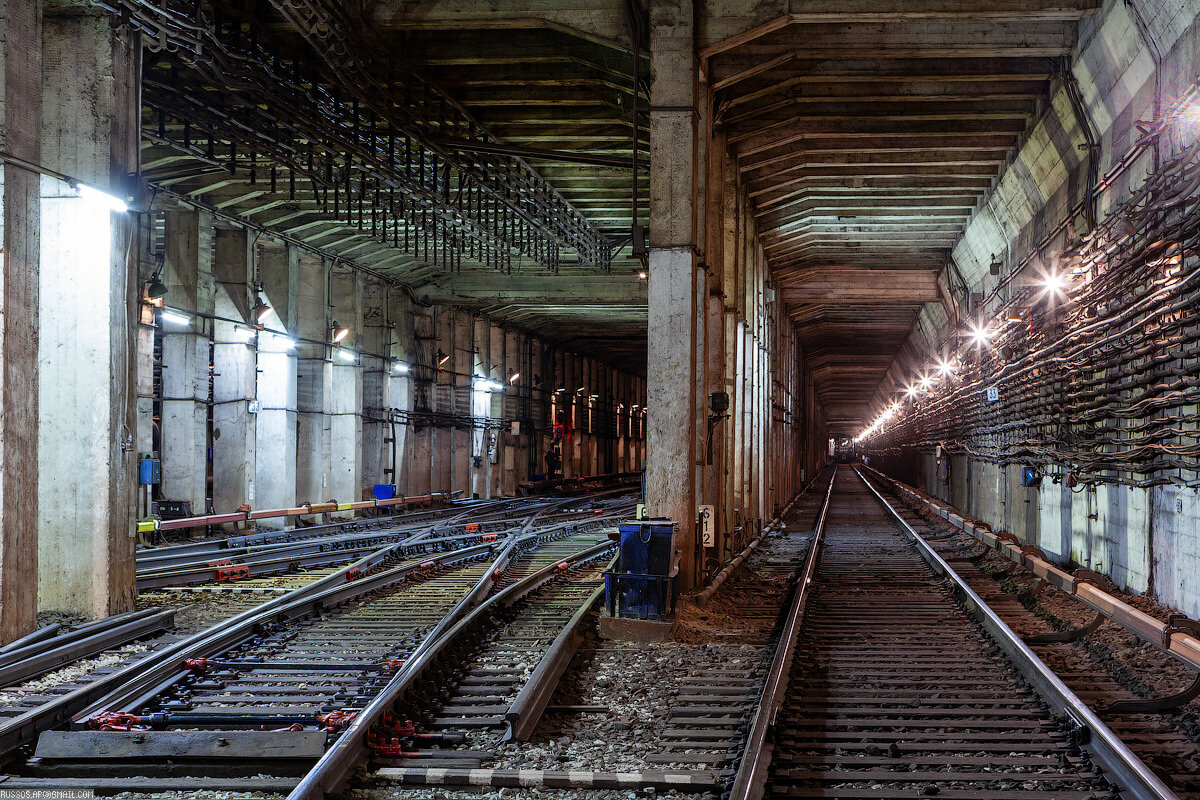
point(1145, 538)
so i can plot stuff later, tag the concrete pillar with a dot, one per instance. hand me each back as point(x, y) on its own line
point(20, 135)
point(186, 358)
point(276, 389)
point(86, 464)
point(377, 377)
point(404, 350)
point(314, 382)
point(346, 392)
point(671, 435)
point(235, 374)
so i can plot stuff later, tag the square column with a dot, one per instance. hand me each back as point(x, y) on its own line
point(275, 423)
point(672, 366)
point(86, 463)
point(377, 378)
point(186, 358)
point(234, 372)
point(20, 135)
point(346, 392)
point(314, 383)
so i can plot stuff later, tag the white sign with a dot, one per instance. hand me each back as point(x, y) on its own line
point(641, 511)
point(993, 394)
point(708, 526)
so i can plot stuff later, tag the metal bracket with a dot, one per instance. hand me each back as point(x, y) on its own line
point(1067, 636)
point(1158, 704)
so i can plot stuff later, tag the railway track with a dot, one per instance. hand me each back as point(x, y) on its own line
point(1162, 738)
point(253, 702)
point(896, 680)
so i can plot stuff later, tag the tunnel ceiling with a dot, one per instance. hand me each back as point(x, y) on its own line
point(493, 172)
point(866, 138)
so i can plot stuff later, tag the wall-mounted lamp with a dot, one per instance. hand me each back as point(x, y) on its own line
point(340, 332)
point(260, 310)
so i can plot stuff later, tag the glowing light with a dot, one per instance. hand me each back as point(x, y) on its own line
point(347, 355)
point(513, 378)
point(980, 336)
point(644, 275)
point(1187, 120)
point(243, 335)
point(176, 318)
point(945, 367)
point(487, 385)
point(1054, 284)
point(400, 367)
point(339, 332)
point(275, 342)
point(105, 199)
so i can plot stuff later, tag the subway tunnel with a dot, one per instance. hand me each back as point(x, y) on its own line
point(297, 292)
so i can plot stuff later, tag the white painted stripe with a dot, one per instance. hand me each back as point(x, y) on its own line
point(581, 776)
point(629, 777)
point(529, 777)
point(434, 776)
point(480, 777)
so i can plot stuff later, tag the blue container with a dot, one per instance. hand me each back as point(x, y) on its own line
point(644, 554)
point(150, 472)
point(385, 491)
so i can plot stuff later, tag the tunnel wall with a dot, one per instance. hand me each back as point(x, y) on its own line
point(429, 398)
point(1117, 497)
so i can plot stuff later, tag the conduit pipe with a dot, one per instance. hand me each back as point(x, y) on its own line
point(248, 514)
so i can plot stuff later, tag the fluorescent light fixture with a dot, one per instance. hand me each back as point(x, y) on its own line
point(243, 335)
point(400, 367)
point(111, 202)
point(513, 378)
point(347, 355)
point(276, 342)
point(487, 385)
point(173, 317)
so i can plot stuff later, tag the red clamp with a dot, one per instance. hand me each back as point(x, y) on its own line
point(200, 666)
point(353, 574)
point(336, 721)
point(426, 568)
point(231, 573)
point(385, 746)
point(394, 726)
point(392, 666)
point(488, 537)
point(561, 567)
point(121, 721)
point(471, 527)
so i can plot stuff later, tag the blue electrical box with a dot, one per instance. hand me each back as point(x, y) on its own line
point(385, 491)
point(643, 586)
point(1030, 476)
point(150, 472)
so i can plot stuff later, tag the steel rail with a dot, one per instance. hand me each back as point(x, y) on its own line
point(1166, 636)
point(1123, 767)
point(37, 659)
point(332, 770)
point(530, 703)
point(751, 776)
point(120, 687)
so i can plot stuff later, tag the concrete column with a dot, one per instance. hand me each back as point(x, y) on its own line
point(401, 457)
point(234, 372)
point(86, 464)
point(186, 360)
point(671, 434)
point(314, 382)
point(377, 377)
point(346, 397)
point(276, 390)
point(20, 135)
point(442, 392)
